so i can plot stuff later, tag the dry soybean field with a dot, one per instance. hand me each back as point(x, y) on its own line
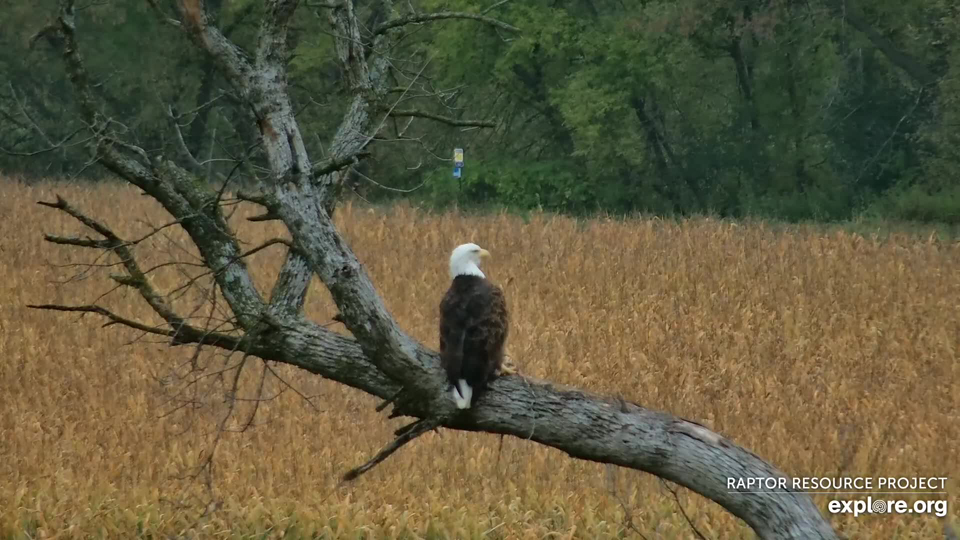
point(826, 352)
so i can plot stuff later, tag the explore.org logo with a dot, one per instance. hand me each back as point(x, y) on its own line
point(866, 487)
point(879, 506)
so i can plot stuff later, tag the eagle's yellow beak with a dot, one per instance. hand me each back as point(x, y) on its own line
point(484, 253)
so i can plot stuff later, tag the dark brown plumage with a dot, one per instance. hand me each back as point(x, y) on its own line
point(473, 326)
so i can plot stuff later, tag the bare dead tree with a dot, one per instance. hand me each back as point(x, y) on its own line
point(379, 358)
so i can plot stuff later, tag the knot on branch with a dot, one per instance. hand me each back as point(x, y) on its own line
point(698, 432)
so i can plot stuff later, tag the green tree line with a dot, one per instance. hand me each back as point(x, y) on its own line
point(819, 109)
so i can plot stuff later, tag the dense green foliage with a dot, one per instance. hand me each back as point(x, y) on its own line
point(823, 109)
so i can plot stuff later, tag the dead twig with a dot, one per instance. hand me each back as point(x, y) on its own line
point(404, 435)
point(683, 512)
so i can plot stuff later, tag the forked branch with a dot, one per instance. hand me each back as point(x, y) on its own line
point(136, 277)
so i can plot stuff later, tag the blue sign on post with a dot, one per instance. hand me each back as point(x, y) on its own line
point(457, 162)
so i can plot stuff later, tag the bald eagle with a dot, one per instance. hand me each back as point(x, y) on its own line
point(473, 326)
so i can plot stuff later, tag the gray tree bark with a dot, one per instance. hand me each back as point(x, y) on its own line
point(380, 358)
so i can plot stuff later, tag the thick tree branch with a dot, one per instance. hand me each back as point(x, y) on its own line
point(418, 18)
point(230, 58)
point(290, 290)
point(628, 435)
point(272, 46)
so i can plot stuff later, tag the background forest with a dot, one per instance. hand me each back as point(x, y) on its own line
point(820, 109)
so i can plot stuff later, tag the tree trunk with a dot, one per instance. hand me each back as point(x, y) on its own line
point(743, 63)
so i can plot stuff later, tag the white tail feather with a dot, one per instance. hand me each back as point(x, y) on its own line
point(461, 403)
point(466, 392)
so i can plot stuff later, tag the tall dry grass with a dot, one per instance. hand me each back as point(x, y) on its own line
point(826, 353)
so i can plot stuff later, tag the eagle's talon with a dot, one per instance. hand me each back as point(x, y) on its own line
point(507, 368)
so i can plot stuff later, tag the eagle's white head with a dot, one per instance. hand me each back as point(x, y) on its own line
point(465, 260)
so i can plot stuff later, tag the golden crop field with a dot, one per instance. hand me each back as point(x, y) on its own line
point(826, 352)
